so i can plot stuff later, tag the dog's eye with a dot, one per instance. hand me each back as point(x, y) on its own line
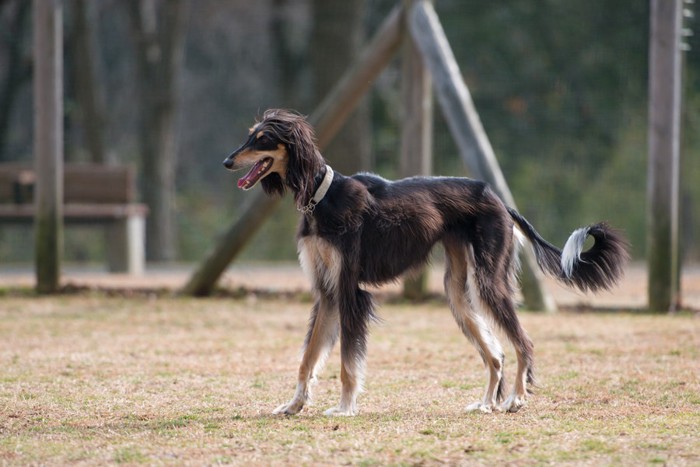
point(265, 142)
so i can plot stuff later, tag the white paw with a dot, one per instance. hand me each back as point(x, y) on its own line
point(480, 407)
point(340, 412)
point(513, 403)
point(293, 407)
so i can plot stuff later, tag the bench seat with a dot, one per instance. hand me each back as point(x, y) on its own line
point(94, 194)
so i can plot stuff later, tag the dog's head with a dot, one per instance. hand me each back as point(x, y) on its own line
point(280, 152)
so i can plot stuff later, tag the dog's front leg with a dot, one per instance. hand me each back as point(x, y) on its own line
point(320, 338)
point(355, 313)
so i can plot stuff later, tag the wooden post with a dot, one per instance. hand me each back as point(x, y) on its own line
point(665, 64)
point(48, 142)
point(466, 128)
point(327, 119)
point(416, 132)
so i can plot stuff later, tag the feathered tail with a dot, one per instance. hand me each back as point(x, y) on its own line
point(599, 267)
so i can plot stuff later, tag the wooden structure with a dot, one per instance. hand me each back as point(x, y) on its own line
point(665, 67)
point(93, 194)
point(417, 22)
point(48, 140)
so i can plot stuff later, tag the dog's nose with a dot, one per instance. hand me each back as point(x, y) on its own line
point(228, 163)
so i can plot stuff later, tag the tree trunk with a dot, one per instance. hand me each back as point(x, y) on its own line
point(289, 56)
point(157, 30)
point(336, 43)
point(86, 88)
point(18, 71)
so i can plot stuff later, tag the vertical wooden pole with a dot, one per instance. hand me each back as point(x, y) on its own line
point(665, 64)
point(48, 142)
point(416, 132)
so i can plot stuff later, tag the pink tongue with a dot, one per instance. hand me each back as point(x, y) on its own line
point(249, 179)
point(242, 182)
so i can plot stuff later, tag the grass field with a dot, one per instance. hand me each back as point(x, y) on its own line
point(90, 379)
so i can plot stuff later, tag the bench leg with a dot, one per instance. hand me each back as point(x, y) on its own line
point(126, 245)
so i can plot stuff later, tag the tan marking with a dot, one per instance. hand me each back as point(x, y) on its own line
point(320, 261)
point(249, 157)
point(259, 135)
point(320, 342)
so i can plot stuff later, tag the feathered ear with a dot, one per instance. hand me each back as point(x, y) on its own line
point(304, 161)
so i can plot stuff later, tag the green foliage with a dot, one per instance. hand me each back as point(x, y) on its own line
point(553, 82)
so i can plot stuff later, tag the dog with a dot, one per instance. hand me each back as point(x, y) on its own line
point(365, 230)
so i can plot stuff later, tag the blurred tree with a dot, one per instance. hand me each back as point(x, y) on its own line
point(17, 66)
point(87, 90)
point(157, 29)
point(290, 53)
point(336, 41)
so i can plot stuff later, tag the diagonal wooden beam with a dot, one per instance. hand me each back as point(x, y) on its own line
point(327, 119)
point(465, 125)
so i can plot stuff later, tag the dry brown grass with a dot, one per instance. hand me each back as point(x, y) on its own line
point(96, 380)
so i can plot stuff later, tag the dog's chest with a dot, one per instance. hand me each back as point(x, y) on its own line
point(320, 261)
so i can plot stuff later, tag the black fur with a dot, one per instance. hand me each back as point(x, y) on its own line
point(598, 268)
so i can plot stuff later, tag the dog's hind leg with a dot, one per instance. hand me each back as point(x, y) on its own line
point(320, 338)
point(472, 323)
point(490, 285)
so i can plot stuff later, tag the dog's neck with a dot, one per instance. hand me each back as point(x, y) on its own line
point(322, 181)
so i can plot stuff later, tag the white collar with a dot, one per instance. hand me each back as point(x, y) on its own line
point(320, 192)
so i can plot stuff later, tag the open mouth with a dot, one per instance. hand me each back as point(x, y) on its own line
point(255, 173)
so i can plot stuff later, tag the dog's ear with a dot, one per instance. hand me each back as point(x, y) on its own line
point(273, 184)
point(304, 162)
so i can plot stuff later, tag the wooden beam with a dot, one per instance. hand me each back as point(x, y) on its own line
point(665, 67)
point(468, 132)
point(327, 119)
point(48, 142)
point(416, 133)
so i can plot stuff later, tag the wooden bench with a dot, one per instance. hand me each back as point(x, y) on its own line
point(94, 194)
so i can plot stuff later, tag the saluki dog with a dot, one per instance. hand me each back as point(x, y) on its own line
point(365, 230)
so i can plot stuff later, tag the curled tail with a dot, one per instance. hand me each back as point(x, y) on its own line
point(597, 268)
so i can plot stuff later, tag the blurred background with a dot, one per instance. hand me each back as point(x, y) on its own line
point(560, 85)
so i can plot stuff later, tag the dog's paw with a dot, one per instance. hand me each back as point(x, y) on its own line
point(340, 412)
point(513, 403)
point(482, 407)
point(292, 407)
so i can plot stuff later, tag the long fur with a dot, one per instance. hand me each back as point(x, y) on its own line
point(368, 230)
